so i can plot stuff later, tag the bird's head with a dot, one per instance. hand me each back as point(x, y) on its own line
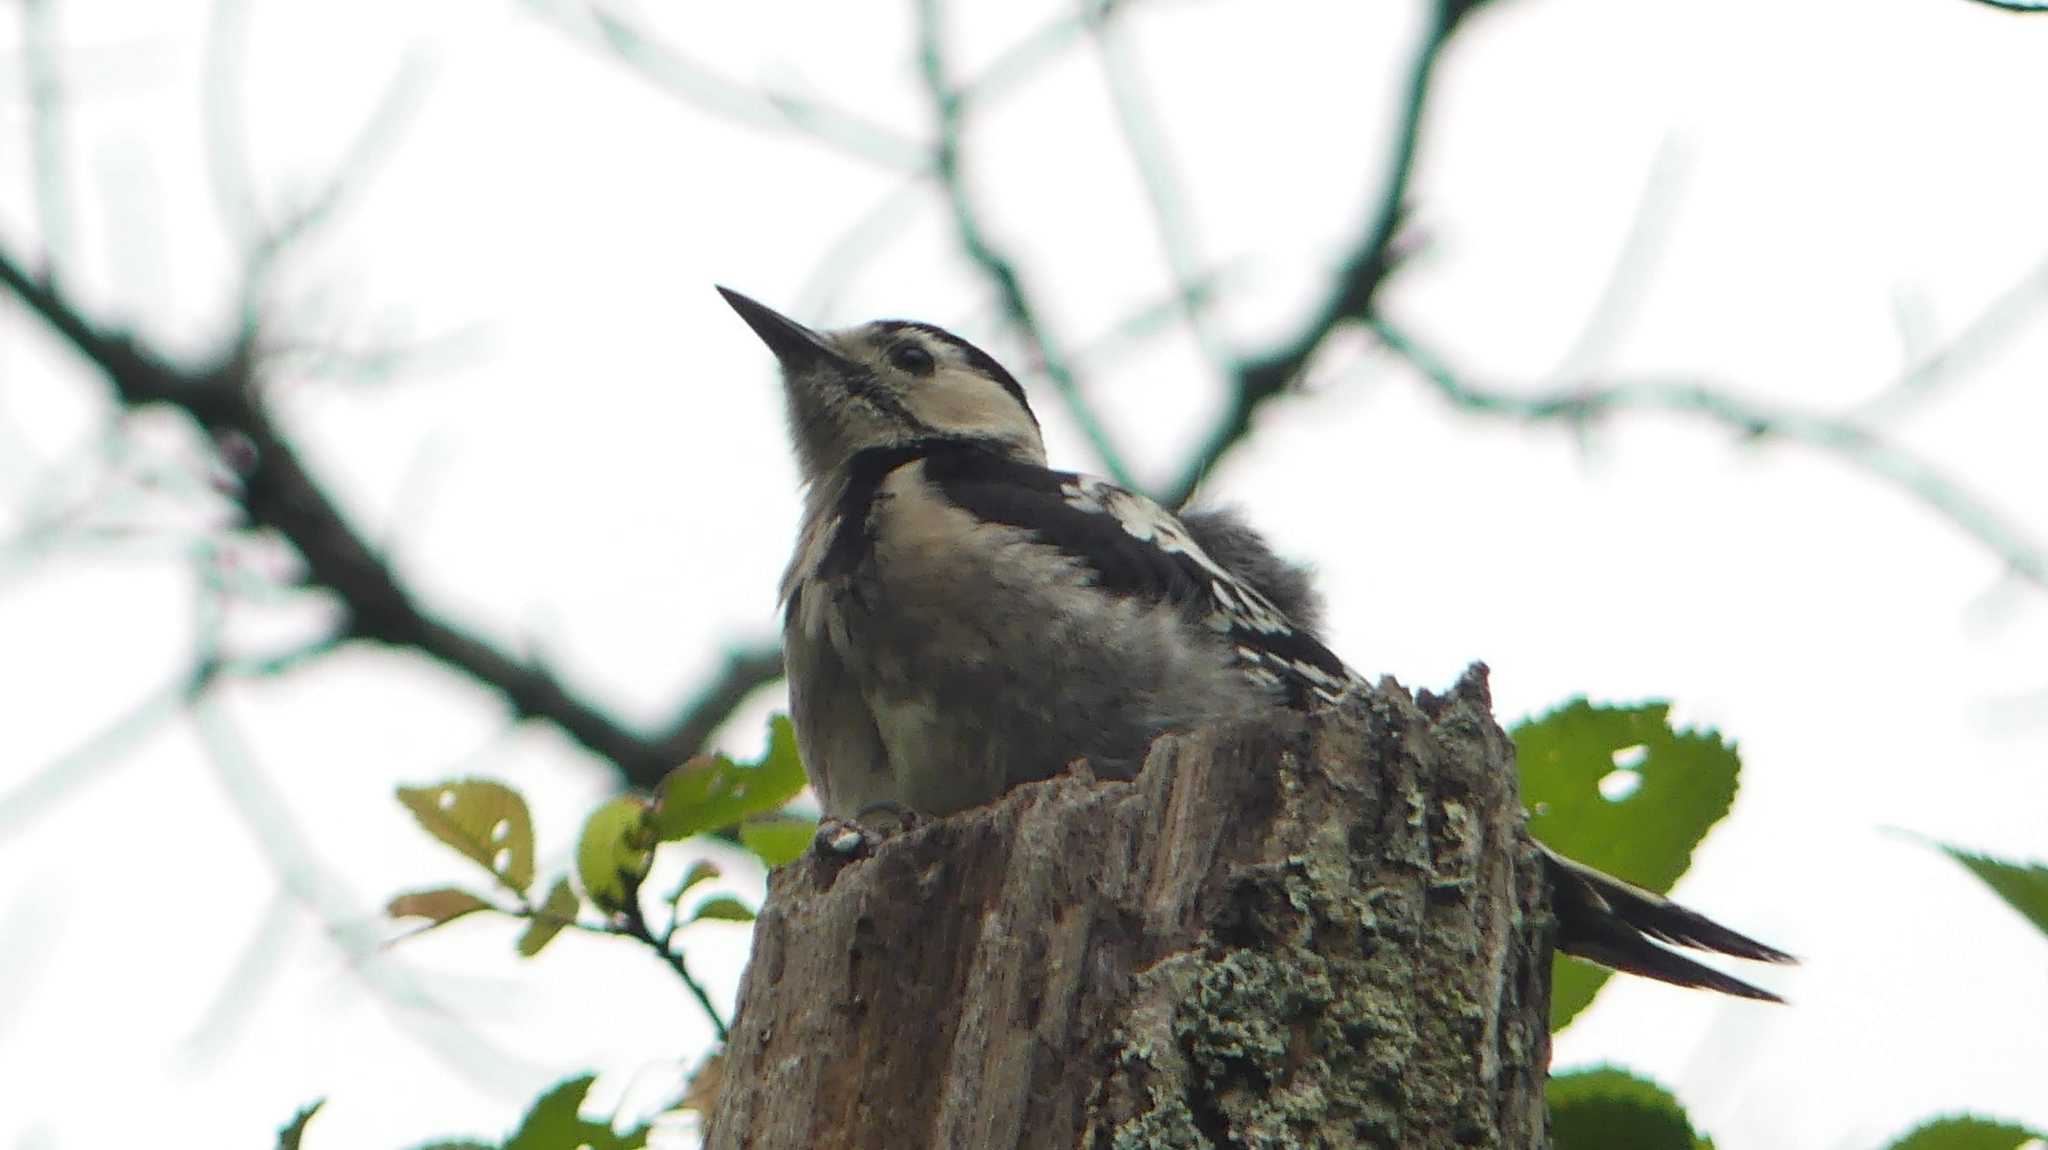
point(888, 383)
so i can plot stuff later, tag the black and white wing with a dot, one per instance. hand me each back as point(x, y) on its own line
point(1135, 547)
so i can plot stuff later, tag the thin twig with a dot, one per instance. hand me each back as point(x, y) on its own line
point(858, 246)
point(746, 670)
point(1860, 447)
point(634, 922)
point(98, 755)
point(279, 492)
point(1634, 262)
point(995, 265)
point(668, 69)
point(2004, 317)
point(45, 76)
point(1146, 143)
point(1365, 268)
point(263, 810)
point(227, 157)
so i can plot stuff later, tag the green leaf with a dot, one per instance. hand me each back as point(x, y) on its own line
point(553, 917)
point(722, 908)
point(1963, 1132)
point(778, 839)
point(553, 1124)
point(1665, 788)
point(711, 792)
point(615, 852)
point(700, 871)
point(439, 907)
point(288, 1138)
point(1609, 1109)
point(487, 822)
point(2024, 888)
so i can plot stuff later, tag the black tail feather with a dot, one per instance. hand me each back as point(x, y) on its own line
point(1608, 921)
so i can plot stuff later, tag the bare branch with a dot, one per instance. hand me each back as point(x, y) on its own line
point(1577, 406)
point(995, 265)
point(278, 493)
point(1022, 60)
point(92, 759)
point(1998, 322)
point(227, 159)
point(360, 161)
point(254, 973)
point(635, 926)
point(46, 119)
point(2021, 6)
point(746, 670)
point(1363, 271)
point(264, 812)
point(1147, 145)
point(857, 246)
point(604, 29)
point(1633, 264)
point(1155, 316)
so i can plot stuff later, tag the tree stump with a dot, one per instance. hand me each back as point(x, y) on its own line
point(1328, 933)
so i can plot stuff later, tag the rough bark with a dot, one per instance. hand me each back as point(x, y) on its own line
point(1326, 935)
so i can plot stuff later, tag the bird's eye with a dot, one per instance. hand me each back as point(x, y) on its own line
point(911, 357)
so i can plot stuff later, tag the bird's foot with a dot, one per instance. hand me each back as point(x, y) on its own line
point(866, 830)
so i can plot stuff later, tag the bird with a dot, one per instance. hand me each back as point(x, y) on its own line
point(960, 618)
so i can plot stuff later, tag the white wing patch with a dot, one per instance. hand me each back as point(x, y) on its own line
point(1237, 606)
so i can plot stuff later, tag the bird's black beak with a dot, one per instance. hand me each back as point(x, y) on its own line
point(797, 346)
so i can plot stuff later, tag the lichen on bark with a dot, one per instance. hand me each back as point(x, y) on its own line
point(1306, 934)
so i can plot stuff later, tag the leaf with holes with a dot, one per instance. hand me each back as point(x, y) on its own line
point(295, 1130)
point(439, 907)
point(1608, 1109)
point(1618, 789)
point(722, 908)
point(615, 852)
point(2024, 888)
point(487, 822)
point(778, 839)
point(554, 916)
point(711, 792)
point(554, 1124)
point(1963, 1132)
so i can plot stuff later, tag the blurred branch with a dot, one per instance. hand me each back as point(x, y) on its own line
point(1578, 406)
point(1363, 271)
point(604, 29)
point(1629, 275)
point(227, 159)
point(1149, 319)
point(634, 925)
point(1146, 143)
point(263, 810)
point(45, 78)
point(91, 759)
point(255, 971)
point(2022, 6)
point(1999, 321)
point(858, 245)
point(948, 106)
point(746, 669)
point(260, 239)
point(278, 493)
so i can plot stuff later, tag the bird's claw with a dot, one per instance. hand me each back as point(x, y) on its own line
point(866, 830)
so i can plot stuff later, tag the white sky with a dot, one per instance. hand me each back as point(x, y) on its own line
point(598, 472)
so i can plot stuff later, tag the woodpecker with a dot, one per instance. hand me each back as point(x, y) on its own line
point(959, 618)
